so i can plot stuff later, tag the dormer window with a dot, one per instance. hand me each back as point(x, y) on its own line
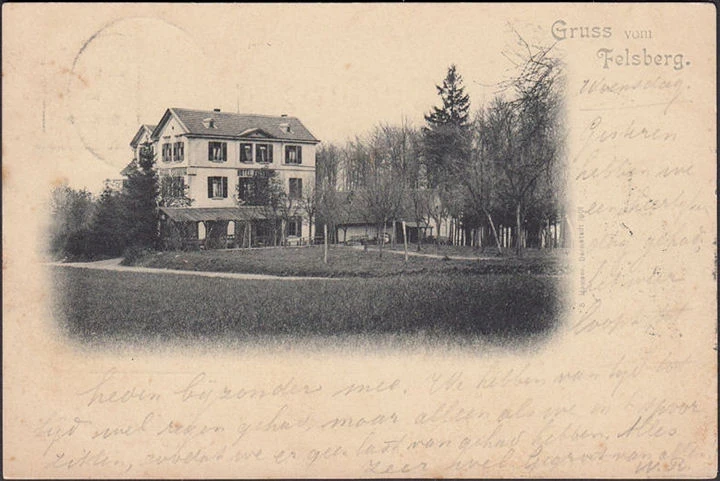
point(209, 123)
point(285, 127)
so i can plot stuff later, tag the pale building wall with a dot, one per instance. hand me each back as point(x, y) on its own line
point(202, 168)
point(199, 167)
point(171, 133)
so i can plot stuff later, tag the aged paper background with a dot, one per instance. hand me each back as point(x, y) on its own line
point(626, 388)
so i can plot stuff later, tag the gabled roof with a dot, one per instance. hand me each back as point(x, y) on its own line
point(144, 128)
point(236, 126)
point(126, 171)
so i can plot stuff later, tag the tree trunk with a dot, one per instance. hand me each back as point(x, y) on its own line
point(495, 234)
point(419, 236)
point(381, 240)
point(392, 238)
point(282, 233)
point(310, 228)
point(518, 226)
point(325, 252)
point(405, 240)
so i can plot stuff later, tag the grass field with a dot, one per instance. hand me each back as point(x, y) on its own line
point(349, 262)
point(104, 308)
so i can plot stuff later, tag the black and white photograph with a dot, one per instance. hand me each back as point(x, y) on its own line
point(447, 224)
point(412, 240)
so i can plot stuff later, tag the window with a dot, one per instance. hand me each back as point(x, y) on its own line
point(166, 152)
point(296, 188)
point(217, 188)
point(293, 154)
point(246, 153)
point(179, 151)
point(217, 151)
point(263, 153)
point(294, 227)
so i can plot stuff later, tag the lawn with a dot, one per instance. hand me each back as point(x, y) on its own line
point(108, 308)
point(348, 262)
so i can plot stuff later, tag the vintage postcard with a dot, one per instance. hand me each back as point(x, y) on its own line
point(359, 241)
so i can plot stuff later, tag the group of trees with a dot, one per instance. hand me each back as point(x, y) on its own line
point(84, 227)
point(503, 165)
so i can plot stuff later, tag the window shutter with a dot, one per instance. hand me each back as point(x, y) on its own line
point(210, 151)
point(299, 188)
point(224, 154)
point(299, 154)
point(270, 152)
point(210, 188)
point(224, 183)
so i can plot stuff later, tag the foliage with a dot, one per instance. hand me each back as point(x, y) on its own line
point(109, 234)
point(72, 212)
point(266, 191)
point(140, 200)
point(87, 228)
point(520, 144)
point(173, 192)
point(446, 139)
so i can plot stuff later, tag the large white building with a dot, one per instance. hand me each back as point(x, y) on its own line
point(218, 159)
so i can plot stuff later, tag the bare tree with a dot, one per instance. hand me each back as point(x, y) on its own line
point(327, 176)
point(383, 191)
point(523, 137)
point(310, 205)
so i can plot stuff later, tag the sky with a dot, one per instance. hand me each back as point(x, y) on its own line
point(341, 69)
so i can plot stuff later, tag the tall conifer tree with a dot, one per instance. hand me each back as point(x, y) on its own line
point(140, 197)
point(447, 139)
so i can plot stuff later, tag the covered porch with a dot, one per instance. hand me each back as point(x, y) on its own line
point(188, 228)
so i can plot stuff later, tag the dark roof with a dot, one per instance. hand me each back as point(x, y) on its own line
point(239, 126)
point(200, 214)
point(143, 128)
point(126, 171)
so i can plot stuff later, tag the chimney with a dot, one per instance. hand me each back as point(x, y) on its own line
point(216, 110)
point(283, 115)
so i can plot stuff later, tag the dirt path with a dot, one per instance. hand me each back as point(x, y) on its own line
point(114, 265)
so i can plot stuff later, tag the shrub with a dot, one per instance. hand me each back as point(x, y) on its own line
point(133, 253)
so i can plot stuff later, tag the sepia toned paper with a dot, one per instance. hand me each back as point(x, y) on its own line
point(625, 386)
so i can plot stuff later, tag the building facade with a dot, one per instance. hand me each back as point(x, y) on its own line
point(220, 161)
